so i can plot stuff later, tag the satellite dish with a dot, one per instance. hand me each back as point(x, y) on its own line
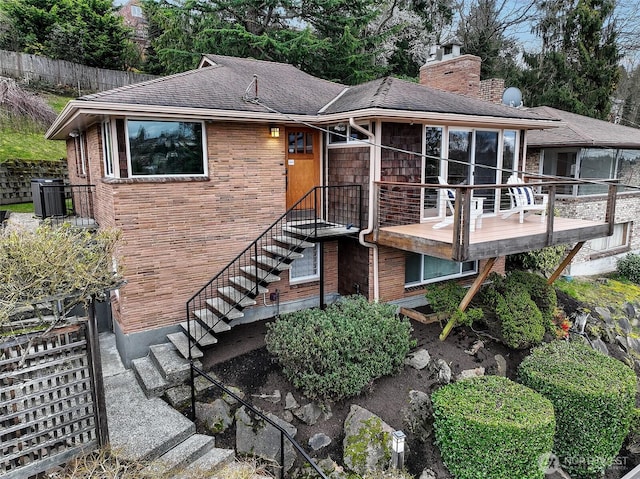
point(512, 96)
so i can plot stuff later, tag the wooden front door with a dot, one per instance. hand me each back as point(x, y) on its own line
point(303, 162)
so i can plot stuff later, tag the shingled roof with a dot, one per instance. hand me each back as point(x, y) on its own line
point(581, 131)
point(222, 86)
point(395, 94)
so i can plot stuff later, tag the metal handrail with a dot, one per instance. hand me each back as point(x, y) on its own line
point(283, 434)
point(313, 201)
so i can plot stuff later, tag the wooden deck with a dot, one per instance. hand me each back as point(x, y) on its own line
point(496, 236)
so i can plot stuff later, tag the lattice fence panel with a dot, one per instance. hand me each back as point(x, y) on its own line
point(47, 406)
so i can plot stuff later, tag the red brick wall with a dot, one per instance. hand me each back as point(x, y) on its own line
point(177, 234)
point(458, 75)
point(492, 90)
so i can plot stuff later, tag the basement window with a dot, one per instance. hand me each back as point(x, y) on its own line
point(166, 148)
point(618, 241)
point(424, 269)
point(307, 268)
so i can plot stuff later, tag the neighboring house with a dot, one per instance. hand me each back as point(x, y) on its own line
point(203, 172)
point(133, 17)
point(585, 148)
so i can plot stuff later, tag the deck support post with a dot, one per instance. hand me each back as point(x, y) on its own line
point(565, 262)
point(321, 292)
point(475, 287)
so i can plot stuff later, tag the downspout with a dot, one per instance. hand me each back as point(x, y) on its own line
point(374, 173)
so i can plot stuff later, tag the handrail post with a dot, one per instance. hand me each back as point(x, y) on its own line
point(255, 254)
point(281, 455)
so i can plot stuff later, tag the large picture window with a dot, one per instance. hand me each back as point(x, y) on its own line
point(166, 148)
point(423, 269)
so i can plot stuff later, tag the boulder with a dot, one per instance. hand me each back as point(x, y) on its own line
point(625, 325)
point(599, 345)
point(311, 413)
point(418, 416)
point(256, 436)
point(367, 441)
point(441, 370)
point(230, 400)
point(216, 416)
point(290, 402)
point(418, 360)
point(428, 474)
point(470, 373)
point(318, 441)
point(501, 365)
point(274, 398)
point(605, 314)
point(630, 310)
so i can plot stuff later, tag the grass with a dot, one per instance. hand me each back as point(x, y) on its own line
point(24, 141)
point(19, 208)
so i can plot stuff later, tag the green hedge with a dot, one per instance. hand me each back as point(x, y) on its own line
point(629, 267)
point(338, 352)
point(593, 397)
point(492, 427)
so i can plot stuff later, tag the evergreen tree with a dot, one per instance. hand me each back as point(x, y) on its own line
point(576, 69)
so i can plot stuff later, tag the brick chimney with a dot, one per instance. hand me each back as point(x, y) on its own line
point(492, 89)
point(446, 69)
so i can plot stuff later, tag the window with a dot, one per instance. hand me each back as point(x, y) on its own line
point(163, 148)
point(343, 133)
point(300, 142)
point(618, 240)
point(422, 269)
point(306, 268)
point(80, 143)
point(628, 168)
point(107, 149)
point(136, 11)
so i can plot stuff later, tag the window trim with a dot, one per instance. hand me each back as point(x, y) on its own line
point(107, 132)
point(439, 279)
point(80, 144)
point(620, 248)
point(205, 158)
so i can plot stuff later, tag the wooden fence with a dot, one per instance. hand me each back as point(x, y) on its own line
point(51, 400)
point(84, 79)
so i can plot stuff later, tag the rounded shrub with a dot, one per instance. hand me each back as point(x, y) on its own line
point(593, 396)
point(337, 352)
point(492, 427)
point(629, 267)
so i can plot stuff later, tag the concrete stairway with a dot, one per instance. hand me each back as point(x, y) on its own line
point(148, 429)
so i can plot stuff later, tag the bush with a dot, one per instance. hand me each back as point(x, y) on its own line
point(336, 353)
point(543, 294)
point(492, 427)
point(520, 323)
point(445, 298)
point(629, 267)
point(594, 398)
point(544, 260)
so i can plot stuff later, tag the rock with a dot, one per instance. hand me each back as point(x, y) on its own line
point(311, 413)
point(501, 365)
point(290, 402)
point(598, 345)
point(428, 474)
point(622, 341)
point(470, 373)
point(274, 398)
point(419, 359)
point(625, 325)
point(442, 371)
point(475, 347)
point(367, 441)
point(629, 310)
point(216, 416)
point(229, 399)
point(605, 314)
point(634, 344)
point(257, 437)
point(418, 416)
point(318, 441)
point(287, 416)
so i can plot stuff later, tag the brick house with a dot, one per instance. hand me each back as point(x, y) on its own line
point(206, 174)
point(586, 148)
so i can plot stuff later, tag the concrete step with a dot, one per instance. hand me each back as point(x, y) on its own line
point(181, 456)
point(282, 252)
point(271, 263)
point(149, 377)
point(202, 336)
point(246, 284)
point(225, 309)
point(141, 428)
point(262, 275)
point(236, 297)
point(293, 242)
point(173, 367)
point(181, 342)
point(213, 321)
point(210, 462)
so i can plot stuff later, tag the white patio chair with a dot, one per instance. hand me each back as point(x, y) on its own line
point(524, 201)
point(449, 197)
